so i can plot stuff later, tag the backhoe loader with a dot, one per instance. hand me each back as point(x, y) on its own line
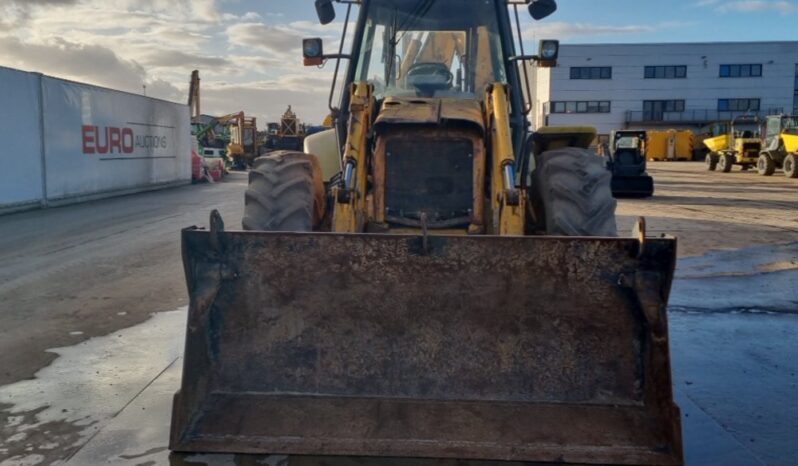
point(455, 291)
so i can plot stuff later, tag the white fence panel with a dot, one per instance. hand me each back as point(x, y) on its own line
point(20, 139)
point(102, 141)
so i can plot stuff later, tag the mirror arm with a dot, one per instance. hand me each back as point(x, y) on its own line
point(340, 55)
point(524, 58)
point(530, 104)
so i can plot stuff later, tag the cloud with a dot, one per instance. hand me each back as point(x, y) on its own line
point(562, 30)
point(80, 62)
point(277, 40)
point(746, 6)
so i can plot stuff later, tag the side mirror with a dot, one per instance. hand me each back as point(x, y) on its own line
point(313, 51)
point(539, 9)
point(325, 11)
point(548, 52)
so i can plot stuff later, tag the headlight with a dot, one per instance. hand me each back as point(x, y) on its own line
point(312, 48)
point(549, 49)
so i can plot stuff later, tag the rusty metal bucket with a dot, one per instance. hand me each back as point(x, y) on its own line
point(487, 348)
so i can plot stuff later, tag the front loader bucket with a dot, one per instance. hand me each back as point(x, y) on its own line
point(640, 186)
point(530, 349)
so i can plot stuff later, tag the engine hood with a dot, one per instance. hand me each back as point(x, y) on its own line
point(430, 111)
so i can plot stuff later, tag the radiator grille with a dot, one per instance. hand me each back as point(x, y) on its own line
point(432, 176)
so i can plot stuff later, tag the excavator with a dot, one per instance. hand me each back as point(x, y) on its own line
point(450, 289)
point(243, 130)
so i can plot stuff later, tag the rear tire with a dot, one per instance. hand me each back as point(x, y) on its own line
point(791, 166)
point(711, 160)
point(285, 193)
point(574, 191)
point(765, 165)
point(726, 162)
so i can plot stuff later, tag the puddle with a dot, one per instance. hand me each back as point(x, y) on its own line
point(740, 262)
point(759, 279)
point(46, 419)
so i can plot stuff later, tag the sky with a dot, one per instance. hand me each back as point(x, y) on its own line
point(248, 51)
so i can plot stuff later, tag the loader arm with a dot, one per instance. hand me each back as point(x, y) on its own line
point(507, 200)
point(350, 208)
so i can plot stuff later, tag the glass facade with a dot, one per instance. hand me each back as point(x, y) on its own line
point(591, 72)
point(654, 110)
point(602, 106)
point(795, 100)
point(666, 72)
point(741, 71)
point(738, 105)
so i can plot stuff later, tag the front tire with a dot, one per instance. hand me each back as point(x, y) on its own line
point(791, 166)
point(765, 165)
point(285, 193)
point(574, 191)
point(711, 161)
point(726, 162)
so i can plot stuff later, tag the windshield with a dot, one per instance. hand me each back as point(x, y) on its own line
point(627, 142)
point(746, 130)
point(431, 48)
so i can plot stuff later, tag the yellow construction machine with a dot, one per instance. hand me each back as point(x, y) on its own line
point(780, 146)
point(735, 143)
point(243, 147)
point(455, 290)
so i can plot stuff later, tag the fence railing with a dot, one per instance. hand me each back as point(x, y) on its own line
point(692, 116)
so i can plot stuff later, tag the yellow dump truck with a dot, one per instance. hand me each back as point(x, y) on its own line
point(736, 143)
point(780, 148)
point(670, 145)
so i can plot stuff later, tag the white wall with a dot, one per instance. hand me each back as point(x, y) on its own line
point(20, 140)
point(99, 140)
point(701, 90)
point(62, 141)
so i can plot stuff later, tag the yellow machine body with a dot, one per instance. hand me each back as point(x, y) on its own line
point(445, 306)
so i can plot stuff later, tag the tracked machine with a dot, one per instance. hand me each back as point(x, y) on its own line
point(453, 290)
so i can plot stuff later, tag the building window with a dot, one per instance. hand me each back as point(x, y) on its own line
point(654, 110)
point(598, 106)
point(795, 100)
point(740, 71)
point(666, 72)
point(738, 105)
point(591, 72)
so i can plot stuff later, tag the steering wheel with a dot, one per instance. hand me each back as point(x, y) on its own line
point(430, 77)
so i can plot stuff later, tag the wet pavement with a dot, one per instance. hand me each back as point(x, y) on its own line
point(735, 376)
point(734, 344)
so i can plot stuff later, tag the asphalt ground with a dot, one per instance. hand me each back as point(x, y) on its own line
point(92, 314)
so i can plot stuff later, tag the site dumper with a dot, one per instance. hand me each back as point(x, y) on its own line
point(780, 146)
point(734, 143)
point(457, 292)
